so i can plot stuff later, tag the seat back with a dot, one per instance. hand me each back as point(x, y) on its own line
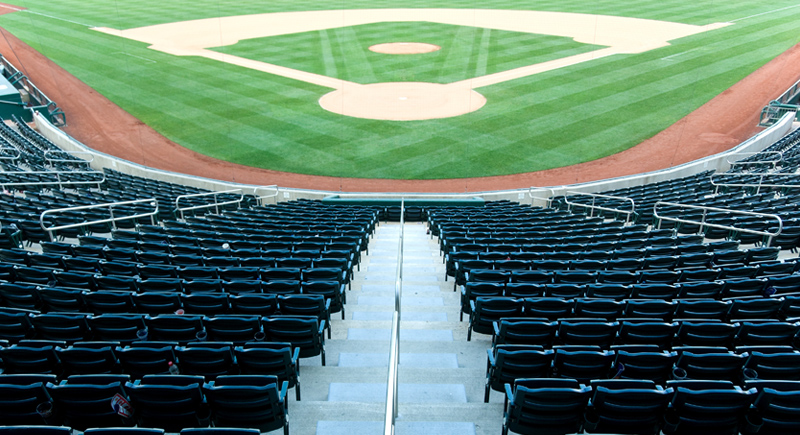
point(536, 409)
point(247, 401)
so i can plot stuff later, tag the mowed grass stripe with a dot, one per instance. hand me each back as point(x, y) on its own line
point(327, 55)
point(352, 57)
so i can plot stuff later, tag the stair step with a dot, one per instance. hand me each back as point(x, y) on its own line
point(411, 316)
point(406, 393)
point(401, 427)
point(405, 334)
point(415, 360)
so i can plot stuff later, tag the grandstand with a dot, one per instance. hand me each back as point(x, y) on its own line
point(685, 298)
point(136, 300)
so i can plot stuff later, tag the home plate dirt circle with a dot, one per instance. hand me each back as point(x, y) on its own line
point(404, 48)
point(403, 101)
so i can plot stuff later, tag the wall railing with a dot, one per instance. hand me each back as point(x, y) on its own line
point(703, 223)
point(113, 218)
point(216, 204)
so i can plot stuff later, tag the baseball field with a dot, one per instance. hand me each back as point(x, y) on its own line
point(412, 90)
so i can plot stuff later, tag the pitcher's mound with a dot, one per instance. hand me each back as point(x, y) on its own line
point(403, 101)
point(404, 48)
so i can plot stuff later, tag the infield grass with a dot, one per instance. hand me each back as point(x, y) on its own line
point(466, 52)
point(553, 119)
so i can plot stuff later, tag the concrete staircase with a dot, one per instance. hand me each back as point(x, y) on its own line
point(441, 375)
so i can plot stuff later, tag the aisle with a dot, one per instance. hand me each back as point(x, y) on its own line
point(441, 374)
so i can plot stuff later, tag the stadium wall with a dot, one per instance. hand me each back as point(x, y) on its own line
point(532, 195)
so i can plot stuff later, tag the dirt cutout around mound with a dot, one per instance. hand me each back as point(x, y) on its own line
point(726, 120)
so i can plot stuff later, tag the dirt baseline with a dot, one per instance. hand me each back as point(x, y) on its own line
point(723, 122)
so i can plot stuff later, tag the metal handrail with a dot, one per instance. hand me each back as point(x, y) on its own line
point(261, 198)
point(215, 204)
point(60, 183)
point(394, 350)
point(592, 207)
point(12, 149)
point(72, 153)
point(548, 200)
point(110, 206)
point(702, 223)
point(757, 162)
point(760, 183)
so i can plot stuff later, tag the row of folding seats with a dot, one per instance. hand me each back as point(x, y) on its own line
point(132, 282)
point(166, 402)
point(267, 221)
point(176, 244)
point(63, 430)
point(508, 322)
point(777, 308)
point(292, 299)
point(621, 406)
point(125, 248)
point(253, 221)
point(716, 253)
point(27, 264)
point(724, 252)
point(518, 215)
point(579, 247)
point(551, 258)
point(90, 259)
point(207, 359)
point(239, 239)
point(305, 331)
point(718, 289)
point(661, 258)
point(509, 362)
point(62, 256)
point(620, 271)
point(588, 234)
point(203, 297)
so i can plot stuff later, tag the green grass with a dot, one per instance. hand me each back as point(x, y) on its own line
point(561, 117)
point(466, 52)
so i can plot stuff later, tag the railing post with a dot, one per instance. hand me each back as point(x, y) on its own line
point(702, 222)
point(111, 213)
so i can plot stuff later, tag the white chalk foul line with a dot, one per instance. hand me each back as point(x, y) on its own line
point(54, 17)
point(765, 13)
point(680, 54)
point(133, 55)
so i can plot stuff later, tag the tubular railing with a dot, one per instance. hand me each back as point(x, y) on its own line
point(11, 153)
point(215, 204)
point(109, 206)
point(71, 153)
point(261, 198)
point(734, 159)
point(547, 199)
point(592, 207)
point(759, 185)
point(394, 350)
point(59, 181)
point(702, 222)
point(54, 113)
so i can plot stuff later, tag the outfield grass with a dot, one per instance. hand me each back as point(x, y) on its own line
point(553, 119)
